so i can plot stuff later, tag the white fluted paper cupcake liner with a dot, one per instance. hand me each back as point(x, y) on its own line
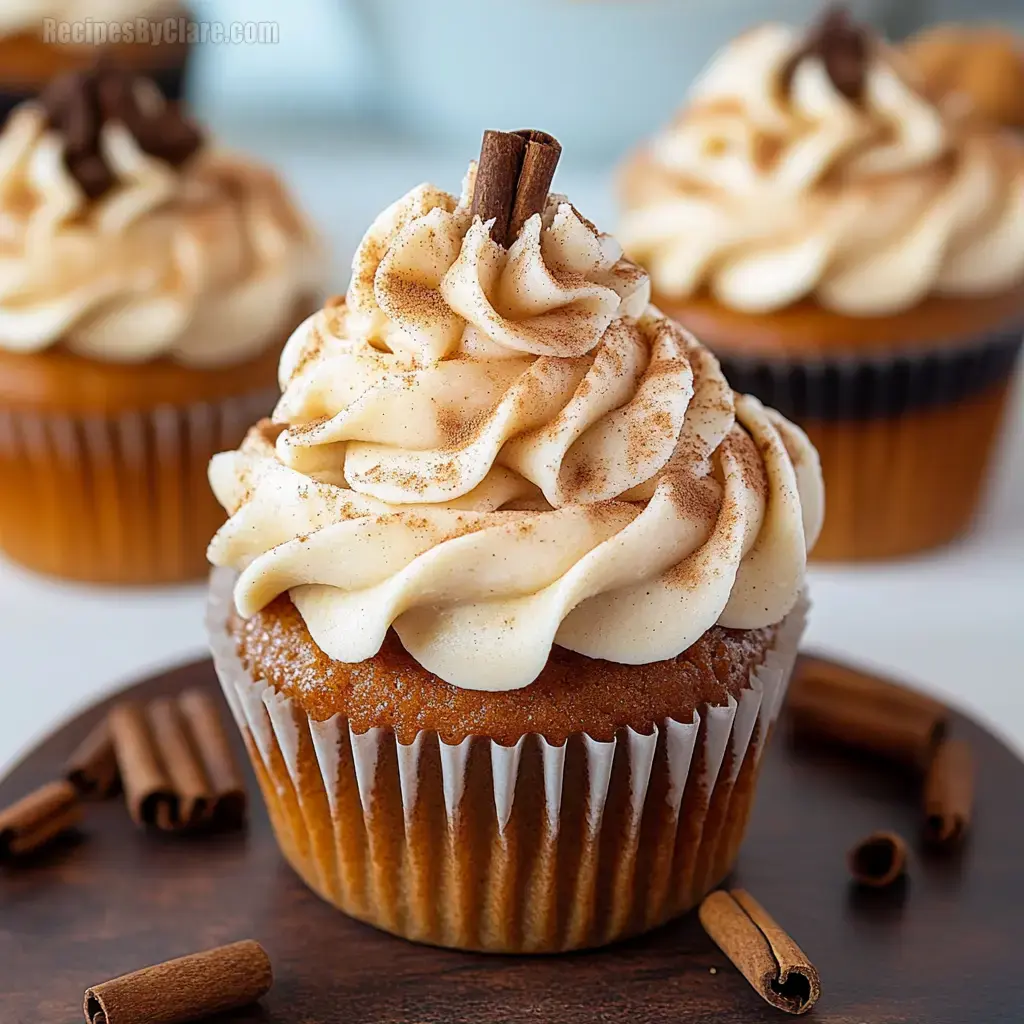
point(535, 847)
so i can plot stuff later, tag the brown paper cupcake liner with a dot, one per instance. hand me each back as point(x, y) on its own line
point(532, 848)
point(906, 442)
point(876, 387)
point(118, 499)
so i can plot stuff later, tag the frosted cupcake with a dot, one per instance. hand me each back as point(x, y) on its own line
point(980, 69)
point(43, 39)
point(147, 286)
point(512, 582)
point(855, 255)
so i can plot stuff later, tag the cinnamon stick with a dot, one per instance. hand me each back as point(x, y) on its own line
point(187, 989)
point(92, 768)
point(878, 860)
point(841, 704)
point(218, 759)
point(497, 176)
point(538, 171)
point(180, 761)
point(765, 955)
point(38, 818)
point(147, 788)
point(514, 175)
point(949, 793)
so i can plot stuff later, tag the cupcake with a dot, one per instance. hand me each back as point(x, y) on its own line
point(981, 69)
point(148, 284)
point(855, 256)
point(512, 582)
point(42, 39)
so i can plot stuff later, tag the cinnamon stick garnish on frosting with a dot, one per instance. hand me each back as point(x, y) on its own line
point(765, 955)
point(843, 47)
point(878, 860)
point(539, 163)
point(513, 178)
point(837, 703)
point(186, 989)
point(949, 794)
point(38, 818)
point(77, 106)
point(92, 768)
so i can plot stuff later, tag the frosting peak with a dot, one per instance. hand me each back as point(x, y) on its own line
point(124, 241)
point(816, 169)
point(494, 450)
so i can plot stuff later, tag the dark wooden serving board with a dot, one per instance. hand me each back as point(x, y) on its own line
point(945, 948)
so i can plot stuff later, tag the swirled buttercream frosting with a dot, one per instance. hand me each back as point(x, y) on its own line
point(118, 254)
point(820, 171)
point(495, 451)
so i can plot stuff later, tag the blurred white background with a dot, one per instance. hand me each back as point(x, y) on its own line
point(335, 108)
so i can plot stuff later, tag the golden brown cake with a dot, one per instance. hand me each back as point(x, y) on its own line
point(981, 66)
point(511, 584)
point(151, 285)
point(43, 39)
point(854, 253)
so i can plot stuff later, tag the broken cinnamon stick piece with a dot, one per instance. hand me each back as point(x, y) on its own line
point(949, 793)
point(181, 763)
point(497, 177)
point(838, 703)
point(878, 860)
point(38, 818)
point(187, 989)
point(219, 763)
point(92, 768)
point(764, 954)
point(147, 789)
point(538, 171)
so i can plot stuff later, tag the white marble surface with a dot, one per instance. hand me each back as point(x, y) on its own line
point(951, 622)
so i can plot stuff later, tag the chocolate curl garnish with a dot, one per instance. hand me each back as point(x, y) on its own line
point(513, 178)
point(949, 794)
point(843, 46)
point(765, 955)
point(38, 818)
point(879, 860)
point(187, 989)
point(77, 105)
point(92, 768)
point(178, 768)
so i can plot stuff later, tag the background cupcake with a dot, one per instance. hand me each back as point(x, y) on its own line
point(855, 255)
point(517, 581)
point(148, 284)
point(979, 68)
point(41, 39)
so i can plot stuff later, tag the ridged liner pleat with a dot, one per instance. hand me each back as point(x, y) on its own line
point(532, 848)
point(906, 442)
point(121, 499)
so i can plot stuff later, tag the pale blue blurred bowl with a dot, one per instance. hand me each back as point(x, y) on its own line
point(598, 74)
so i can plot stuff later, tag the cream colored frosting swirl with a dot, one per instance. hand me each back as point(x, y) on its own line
point(773, 186)
point(205, 263)
point(492, 452)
